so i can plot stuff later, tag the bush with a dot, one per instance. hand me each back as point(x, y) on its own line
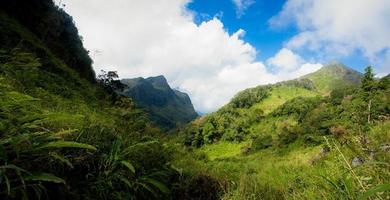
point(201, 186)
point(248, 97)
point(286, 136)
point(262, 142)
point(233, 135)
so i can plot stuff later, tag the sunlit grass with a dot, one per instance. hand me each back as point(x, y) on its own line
point(223, 150)
point(279, 95)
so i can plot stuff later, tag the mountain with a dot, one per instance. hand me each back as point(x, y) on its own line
point(167, 107)
point(333, 75)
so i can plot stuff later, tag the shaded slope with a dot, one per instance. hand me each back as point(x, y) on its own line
point(167, 107)
point(53, 27)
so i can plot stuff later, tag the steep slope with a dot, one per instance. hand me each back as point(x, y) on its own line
point(50, 25)
point(167, 107)
point(333, 75)
point(62, 135)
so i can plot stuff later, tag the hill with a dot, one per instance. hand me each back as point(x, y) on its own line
point(167, 107)
point(297, 139)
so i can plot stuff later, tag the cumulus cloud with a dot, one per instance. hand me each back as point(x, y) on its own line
point(159, 37)
point(338, 28)
point(287, 64)
point(242, 6)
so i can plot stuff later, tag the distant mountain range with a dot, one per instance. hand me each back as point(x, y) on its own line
point(167, 107)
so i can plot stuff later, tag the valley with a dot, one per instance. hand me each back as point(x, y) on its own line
point(69, 133)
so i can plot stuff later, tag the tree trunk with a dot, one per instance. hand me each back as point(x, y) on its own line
point(369, 111)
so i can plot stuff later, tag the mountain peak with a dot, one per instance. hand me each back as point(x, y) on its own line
point(159, 82)
point(167, 107)
point(332, 75)
point(157, 78)
point(336, 66)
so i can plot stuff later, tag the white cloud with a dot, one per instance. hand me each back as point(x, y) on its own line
point(159, 37)
point(287, 64)
point(242, 6)
point(338, 28)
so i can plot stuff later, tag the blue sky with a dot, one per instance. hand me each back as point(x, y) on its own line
point(213, 49)
point(255, 21)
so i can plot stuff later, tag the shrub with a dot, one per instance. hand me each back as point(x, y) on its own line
point(286, 136)
point(201, 186)
point(262, 142)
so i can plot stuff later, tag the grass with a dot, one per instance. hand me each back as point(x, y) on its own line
point(271, 125)
point(223, 150)
point(282, 173)
point(266, 172)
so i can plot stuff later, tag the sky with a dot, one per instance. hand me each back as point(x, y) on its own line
point(213, 49)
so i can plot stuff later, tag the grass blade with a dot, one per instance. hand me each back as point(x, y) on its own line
point(41, 176)
point(374, 190)
point(128, 165)
point(67, 144)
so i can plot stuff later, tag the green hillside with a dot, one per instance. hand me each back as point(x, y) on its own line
point(167, 107)
point(307, 138)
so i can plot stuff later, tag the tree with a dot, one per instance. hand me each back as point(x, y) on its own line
point(110, 80)
point(107, 77)
point(368, 82)
point(368, 87)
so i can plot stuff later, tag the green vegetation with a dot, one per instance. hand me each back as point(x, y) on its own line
point(71, 145)
point(64, 134)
